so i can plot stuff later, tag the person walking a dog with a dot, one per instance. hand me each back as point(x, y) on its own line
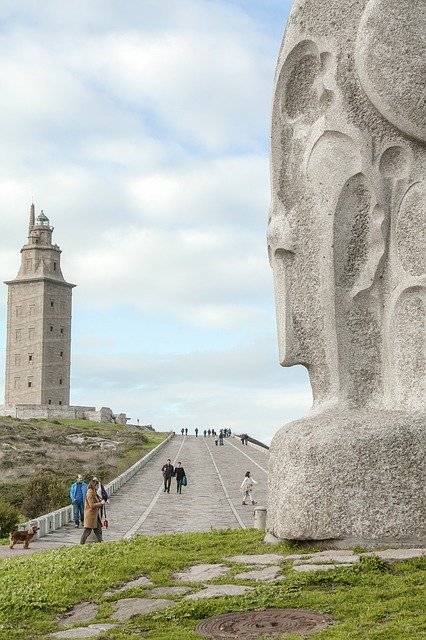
point(92, 520)
point(78, 492)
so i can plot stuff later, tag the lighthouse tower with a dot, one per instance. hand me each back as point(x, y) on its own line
point(38, 352)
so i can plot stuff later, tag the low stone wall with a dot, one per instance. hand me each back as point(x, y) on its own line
point(256, 444)
point(46, 411)
point(57, 519)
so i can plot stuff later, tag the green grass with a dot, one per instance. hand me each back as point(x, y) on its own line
point(369, 601)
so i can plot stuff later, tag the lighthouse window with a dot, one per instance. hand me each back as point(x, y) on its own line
point(54, 266)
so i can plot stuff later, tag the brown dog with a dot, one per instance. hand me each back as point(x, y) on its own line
point(23, 537)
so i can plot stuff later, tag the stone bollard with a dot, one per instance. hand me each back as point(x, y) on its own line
point(260, 518)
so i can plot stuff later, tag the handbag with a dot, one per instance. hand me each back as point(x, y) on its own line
point(184, 481)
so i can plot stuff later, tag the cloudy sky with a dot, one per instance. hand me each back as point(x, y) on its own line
point(141, 128)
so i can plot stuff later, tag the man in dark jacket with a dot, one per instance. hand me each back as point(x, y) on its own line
point(168, 473)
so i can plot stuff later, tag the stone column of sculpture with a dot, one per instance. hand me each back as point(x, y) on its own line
point(347, 244)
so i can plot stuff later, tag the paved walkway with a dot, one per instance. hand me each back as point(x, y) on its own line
point(212, 499)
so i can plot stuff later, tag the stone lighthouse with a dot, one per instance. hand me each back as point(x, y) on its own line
point(38, 352)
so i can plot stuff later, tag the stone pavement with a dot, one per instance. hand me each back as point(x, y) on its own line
point(212, 499)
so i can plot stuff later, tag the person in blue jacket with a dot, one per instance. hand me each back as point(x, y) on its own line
point(78, 496)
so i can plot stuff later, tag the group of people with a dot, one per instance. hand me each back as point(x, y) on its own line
point(88, 501)
point(207, 432)
point(177, 472)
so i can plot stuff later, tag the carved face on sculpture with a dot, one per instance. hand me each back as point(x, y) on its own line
point(345, 219)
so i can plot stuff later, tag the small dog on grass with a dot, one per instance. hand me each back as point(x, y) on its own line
point(22, 537)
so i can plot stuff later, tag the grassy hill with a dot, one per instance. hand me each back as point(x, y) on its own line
point(54, 451)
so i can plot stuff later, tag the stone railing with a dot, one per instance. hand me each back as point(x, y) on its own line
point(57, 519)
point(256, 444)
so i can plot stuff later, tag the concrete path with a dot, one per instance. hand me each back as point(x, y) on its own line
point(212, 499)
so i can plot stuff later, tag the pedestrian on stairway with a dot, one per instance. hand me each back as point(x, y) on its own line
point(247, 487)
point(196, 432)
point(102, 495)
point(180, 474)
point(168, 473)
point(92, 520)
point(78, 492)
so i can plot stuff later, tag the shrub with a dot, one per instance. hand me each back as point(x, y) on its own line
point(9, 518)
point(13, 494)
point(45, 492)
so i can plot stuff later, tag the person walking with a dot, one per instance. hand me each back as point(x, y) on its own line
point(102, 495)
point(168, 473)
point(182, 431)
point(78, 492)
point(216, 439)
point(221, 437)
point(92, 520)
point(186, 431)
point(247, 487)
point(196, 432)
point(205, 433)
point(209, 432)
point(180, 474)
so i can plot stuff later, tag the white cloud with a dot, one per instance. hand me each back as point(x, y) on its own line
point(141, 129)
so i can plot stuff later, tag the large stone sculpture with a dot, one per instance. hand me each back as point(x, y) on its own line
point(347, 243)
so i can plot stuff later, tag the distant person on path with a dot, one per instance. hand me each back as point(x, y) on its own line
point(186, 431)
point(247, 487)
point(78, 492)
point(221, 437)
point(179, 473)
point(196, 432)
point(216, 439)
point(168, 473)
point(92, 520)
point(205, 433)
point(209, 432)
point(182, 431)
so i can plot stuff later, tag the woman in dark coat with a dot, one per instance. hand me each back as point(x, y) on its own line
point(179, 473)
point(92, 520)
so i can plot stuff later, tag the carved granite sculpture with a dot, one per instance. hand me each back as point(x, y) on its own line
point(347, 244)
